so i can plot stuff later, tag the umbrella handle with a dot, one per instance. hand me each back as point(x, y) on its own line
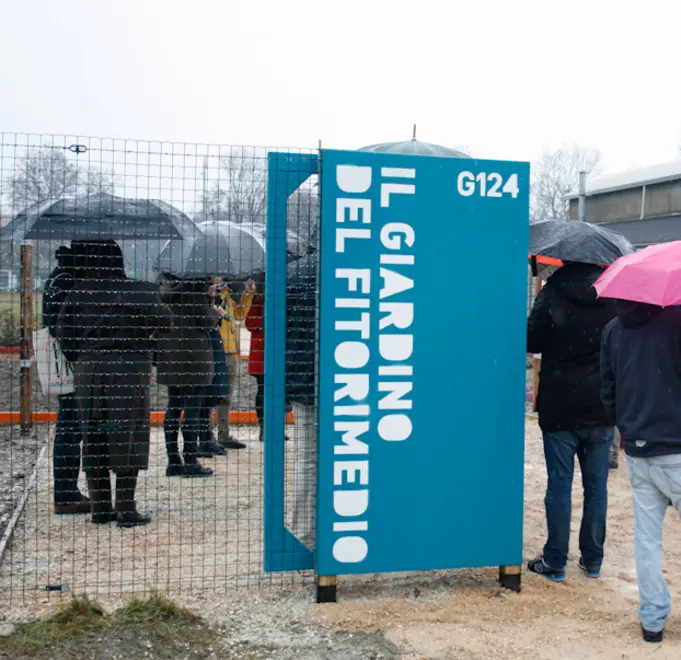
point(533, 261)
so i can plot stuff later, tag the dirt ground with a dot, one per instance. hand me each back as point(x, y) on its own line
point(18, 455)
point(434, 616)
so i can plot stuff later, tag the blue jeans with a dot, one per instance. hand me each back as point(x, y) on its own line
point(592, 447)
point(66, 456)
point(655, 482)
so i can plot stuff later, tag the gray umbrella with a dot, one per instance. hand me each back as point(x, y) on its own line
point(415, 147)
point(221, 249)
point(100, 216)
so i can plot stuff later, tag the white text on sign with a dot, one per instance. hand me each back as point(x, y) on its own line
point(487, 185)
point(354, 380)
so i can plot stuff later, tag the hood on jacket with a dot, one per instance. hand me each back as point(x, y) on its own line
point(635, 314)
point(97, 260)
point(575, 282)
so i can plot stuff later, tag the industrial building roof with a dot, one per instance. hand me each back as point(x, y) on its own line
point(631, 179)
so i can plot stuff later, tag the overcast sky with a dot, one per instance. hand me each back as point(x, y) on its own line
point(506, 78)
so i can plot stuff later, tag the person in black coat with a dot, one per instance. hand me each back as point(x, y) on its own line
point(565, 326)
point(105, 328)
point(186, 366)
point(67, 439)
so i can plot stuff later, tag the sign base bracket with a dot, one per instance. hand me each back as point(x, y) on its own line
point(326, 588)
point(510, 577)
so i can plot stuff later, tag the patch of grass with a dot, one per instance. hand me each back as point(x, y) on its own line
point(83, 630)
point(154, 608)
point(80, 616)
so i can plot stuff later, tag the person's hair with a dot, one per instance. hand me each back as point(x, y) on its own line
point(64, 257)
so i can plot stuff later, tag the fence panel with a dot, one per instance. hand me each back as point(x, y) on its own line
point(178, 212)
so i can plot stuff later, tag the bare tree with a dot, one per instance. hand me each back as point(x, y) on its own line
point(45, 173)
point(303, 216)
point(238, 190)
point(555, 175)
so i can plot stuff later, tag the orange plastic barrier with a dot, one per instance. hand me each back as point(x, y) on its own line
point(235, 417)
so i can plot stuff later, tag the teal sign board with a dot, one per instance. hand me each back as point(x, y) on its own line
point(423, 282)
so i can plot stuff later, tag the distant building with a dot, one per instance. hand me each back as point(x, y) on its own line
point(643, 204)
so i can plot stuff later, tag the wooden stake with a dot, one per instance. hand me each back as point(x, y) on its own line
point(26, 403)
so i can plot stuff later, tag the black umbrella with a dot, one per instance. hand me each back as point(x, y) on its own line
point(577, 241)
point(302, 272)
point(222, 249)
point(98, 217)
point(415, 147)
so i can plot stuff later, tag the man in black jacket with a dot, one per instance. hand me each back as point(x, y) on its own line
point(565, 326)
point(641, 374)
point(67, 440)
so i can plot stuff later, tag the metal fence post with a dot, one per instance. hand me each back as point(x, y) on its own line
point(26, 414)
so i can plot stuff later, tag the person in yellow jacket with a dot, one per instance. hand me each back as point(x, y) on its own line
point(231, 313)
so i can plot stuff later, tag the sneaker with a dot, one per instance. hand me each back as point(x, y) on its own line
point(590, 572)
point(539, 567)
point(230, 442)
point(652, 637)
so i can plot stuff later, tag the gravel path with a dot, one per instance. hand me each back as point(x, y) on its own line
point(206, 534)
point(210, 531)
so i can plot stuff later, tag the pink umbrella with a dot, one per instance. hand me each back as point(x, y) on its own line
point(650, 276)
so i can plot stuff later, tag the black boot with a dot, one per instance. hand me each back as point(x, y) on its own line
point(127, 514)
point(99, 485)
point(175, 466)
point(192, 467)
point(208, 447)
point(230, 442)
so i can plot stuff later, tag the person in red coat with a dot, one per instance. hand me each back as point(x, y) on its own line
point(255, 323)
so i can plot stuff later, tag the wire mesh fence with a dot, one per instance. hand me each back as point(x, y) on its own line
point(132, 373)
point(533, 363)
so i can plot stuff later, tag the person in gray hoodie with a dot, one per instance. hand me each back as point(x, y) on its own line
point(641, 389)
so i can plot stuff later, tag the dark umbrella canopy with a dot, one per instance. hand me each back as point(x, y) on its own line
point(415, 147)
point(302, 272)
point(221, 249)
point(577, 241)
point(98, 217)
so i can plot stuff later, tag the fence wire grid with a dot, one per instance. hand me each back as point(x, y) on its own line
point(143, 263)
